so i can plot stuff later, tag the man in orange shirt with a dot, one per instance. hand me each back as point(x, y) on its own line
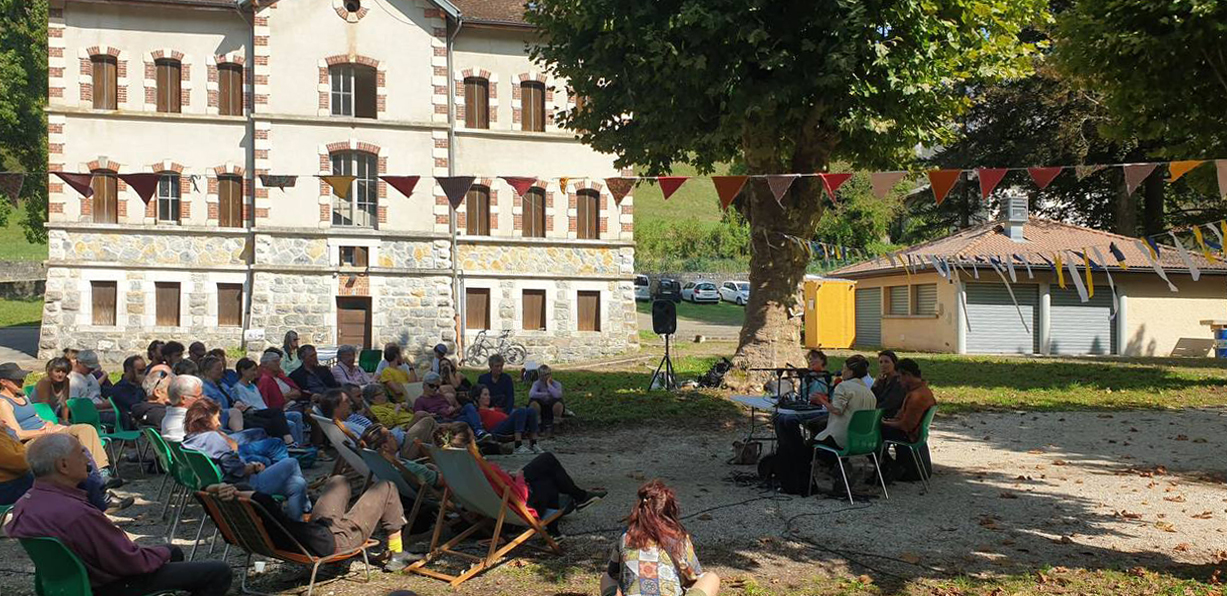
point(905, 426)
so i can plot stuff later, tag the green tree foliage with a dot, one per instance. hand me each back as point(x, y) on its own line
point(23, 93)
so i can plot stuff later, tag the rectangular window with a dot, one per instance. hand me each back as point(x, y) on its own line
point(587, 215)
point(230, 202)
point(105, 201)
point(476, 103)
point(477, 308)
point(532, 100)
point(169, 85)
point(229, 305)
point(924, 299)
point(589, 308)
point(477, 211)
point(105, 82)
point(168, 198)
point(897, 300)
point(534, 310)
point(360, 207)
point(230, 90)
point(355, 256)
point(534, 213)
point(353, 90)
point(103, 297)
point(167, 306)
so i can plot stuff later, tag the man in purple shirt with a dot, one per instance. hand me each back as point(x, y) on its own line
point(348, 371)
point(56, 508)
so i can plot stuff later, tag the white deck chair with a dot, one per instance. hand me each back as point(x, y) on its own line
point(345, 448)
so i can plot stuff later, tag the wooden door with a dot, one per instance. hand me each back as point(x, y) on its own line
point(354, 321)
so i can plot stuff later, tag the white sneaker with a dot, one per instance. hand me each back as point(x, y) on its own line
point(524, 450)
point(536, 449)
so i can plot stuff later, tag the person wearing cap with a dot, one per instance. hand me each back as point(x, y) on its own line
point(440, 352)
point(347, 370)
point(83, 384)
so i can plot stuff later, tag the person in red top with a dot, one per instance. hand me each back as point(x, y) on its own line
point(905, 426)
point(522, 422)
point(277, 388)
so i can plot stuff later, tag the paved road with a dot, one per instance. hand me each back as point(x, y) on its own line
point(18, 344)
point(688, 329)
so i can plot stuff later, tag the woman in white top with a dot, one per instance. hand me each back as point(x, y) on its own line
point(849, 397)
point(247, 397)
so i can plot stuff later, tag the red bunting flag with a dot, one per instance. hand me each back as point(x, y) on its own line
point(942, 181)
point(455, 187)
point(1221, 166)
point(79, 182)
point(1044, 176)
point(144, 184)
point(520, 183)
point(883, 182)
point(1135, 173)
point(404, 184)
point(1180, 168)
point(728, 187)
point(779, 184)
point(989, 179)
point(670, 184)
point(619, 188)
point(832, 182)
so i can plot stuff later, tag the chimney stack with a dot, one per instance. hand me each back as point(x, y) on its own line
point(1014, 217)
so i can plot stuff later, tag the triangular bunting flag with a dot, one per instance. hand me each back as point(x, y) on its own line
point(278, 181)
point(1044, 176)
point(989, 179)
point(883, 182)
point(942, 181)
point(670, 184)
point(79, 182)
point(780, 184)
point(455, 187)
point(520, 183)
point(728, 187)
point(144, 184)
point(403, 184)
point(1221, 166)
point(1135, 173)
point(619, 188)
point(1083, 171)
point(832, 182)
point(1180, 168)
point(340, 184)
point(10, 186)
point(562, 185)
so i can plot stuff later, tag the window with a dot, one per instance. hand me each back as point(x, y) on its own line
point(360, 208)
point(477, 308)
point(230, 201)
point(589, 311)
point(168, 198)
point(897, 300)
point(106, 196)
point(534, 310)
point(587, 209)
point(924, 299)
point(229, 305)
point(532, 98)
point(476, 103)
point(534, 213)
point(167, 306)
point(355, 256)
point(169, 85)
point(477, 211)
point(353, 90)
point(106, 82)
point(103, 297)
point(230, 89)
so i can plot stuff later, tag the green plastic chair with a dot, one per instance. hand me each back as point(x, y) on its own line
point(29, 389)
point(368, 360)
point(207, 474)
point(57, 570)
point(185, 478)
point(125, 435)
point(83, 411)
point(161, 453)
point(864, 438)
point(921, 442)
point(46, 412)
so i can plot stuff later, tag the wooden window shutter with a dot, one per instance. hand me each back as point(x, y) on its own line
point(477, 308)
point(169, 85)
point(476, 103)
point(167, 304)
point(365, 100)
point(230, 202)
point(230, 90)
point(589, 308)
point(532, 102)
point(106, 197)
point(534, 213)
point(229, 305)
point(105, 82)
point(477, 211)
point(587, 214)
point(103, 298)
point(534, 310)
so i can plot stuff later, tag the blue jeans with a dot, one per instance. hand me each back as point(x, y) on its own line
point(284, 478)
point(520, 420)
point(12, 490)
point(95, 493)
point(468, 415)
point(250, 435)
point(296, 427)
point(265, 451)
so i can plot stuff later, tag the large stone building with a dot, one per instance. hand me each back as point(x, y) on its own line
point(213, 94)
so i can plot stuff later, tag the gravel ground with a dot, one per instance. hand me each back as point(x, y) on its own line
point(1013, 492)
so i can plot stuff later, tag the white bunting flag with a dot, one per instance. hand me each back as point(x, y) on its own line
point(1155, 264)
point(1194, 272)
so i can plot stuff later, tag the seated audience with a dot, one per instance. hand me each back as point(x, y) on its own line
point(196, 352)
point(157, 397)
point(347, 369)
point(83, 384)
point(154, 354)
point(184, 391)
point(521, 423)
point(56, 508)
point(53, 388)
point(849, 397)
point(171, 354)
point(545, 397)
point(436, 404)
point(905, 426)
point(378, 438)
point(396, 377)
point(815, 383)
point(887, 388)
point(289, 353)
point(256, 411)
point(404, 365)
point(229, 376)
point(15, 476)
point(313, 378)
point(277, 388)
point(453, 380)
point(502, 386)
point(407, 426)
point(654, 533)
point(128, 391)
point(185, 367)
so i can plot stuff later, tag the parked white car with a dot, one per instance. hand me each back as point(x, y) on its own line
point(701, 291)
point(737, 292)
point(641, 288)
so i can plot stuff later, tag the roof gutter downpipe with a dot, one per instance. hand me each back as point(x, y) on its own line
point(457, 295)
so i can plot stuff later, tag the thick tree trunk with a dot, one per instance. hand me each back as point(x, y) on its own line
point(1125, 211)
point(1152, 202)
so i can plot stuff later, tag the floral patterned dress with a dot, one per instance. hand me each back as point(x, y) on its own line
point(652, 571)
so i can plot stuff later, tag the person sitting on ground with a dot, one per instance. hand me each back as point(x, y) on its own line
point(83, 384)
point(184, 391)
point(436, 404)
point(170, 354)
point(313, 378)
point(56, 508)
point(849, 397)
point(395, 377)
point(502, 386)
point(540, 484)
point(521, 423)
point(453, 379)
point(153, 354)
point(53, 388)
point(289, 353)
point(196, 352)
point(127, 393)
point(347, 369)
point(157, 397)
point(256, 412)
point(887, 388)
point(438, 356)
point(654, 536)
point(404, 365)
point(277, 388)
point(905, 426)
point(229, 376)
point(545, 397)
point(281, 478)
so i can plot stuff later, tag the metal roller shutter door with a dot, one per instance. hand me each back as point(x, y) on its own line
point(869, 317)
point(1080, 328)
point(995, 326)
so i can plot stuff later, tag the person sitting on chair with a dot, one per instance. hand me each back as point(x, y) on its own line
point(151, 411)
point(414, 426)
point(887, 388)
point(278, 390)
point(436, 404)
point(815, 383)
point(53, 388)
point(378, 438)
point(849, 397)
point(522, 422)
point(654, 534)
point(56, 508)
point(397, 375)
point(347, 369)
point(83, 384)
point(256, 412)
point(170, 354)
point(502, 386)
point(183, 392)
point(905, 426)
point(128, 391)
point(452, 377)
point(313, 378)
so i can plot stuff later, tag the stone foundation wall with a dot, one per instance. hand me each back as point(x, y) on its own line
point(403, 254)
point(567, 260)
point(119, 246)
point(301, 302)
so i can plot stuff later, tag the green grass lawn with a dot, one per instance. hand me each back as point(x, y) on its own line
point(21, 313)
point(696, 200)
point(13, 244)
point(723, 313)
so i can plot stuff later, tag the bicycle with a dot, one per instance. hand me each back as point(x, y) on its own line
point(481, 350)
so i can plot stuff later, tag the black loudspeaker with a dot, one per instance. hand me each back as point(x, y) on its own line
point(664, 317)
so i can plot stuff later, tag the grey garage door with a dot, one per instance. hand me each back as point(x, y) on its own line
point(1080, 328)
point(869, 317)
point(995, 326)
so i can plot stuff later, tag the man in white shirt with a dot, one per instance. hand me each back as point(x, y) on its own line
point(183, 392)
point(83, 383)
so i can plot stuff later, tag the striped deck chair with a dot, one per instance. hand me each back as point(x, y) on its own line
point(345, 448)
point(464, 471)
point(242, 524)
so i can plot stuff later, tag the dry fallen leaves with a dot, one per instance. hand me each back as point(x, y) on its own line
point(1165, 526)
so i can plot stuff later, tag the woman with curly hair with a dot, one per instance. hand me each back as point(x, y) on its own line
point(655, 554)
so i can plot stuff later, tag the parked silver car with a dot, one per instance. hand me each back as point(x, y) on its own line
point(701, 291)
point(641, 288)
point(737, 292)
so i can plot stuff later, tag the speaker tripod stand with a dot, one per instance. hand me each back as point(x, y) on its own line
point(666, 364)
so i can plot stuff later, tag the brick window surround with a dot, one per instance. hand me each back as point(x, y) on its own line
point(461, 108)
point(517, 108)
point(86, 75)
point(185, 191)
point(325, 84)
point(462, 220)
point(213, 194)
point(604, 201)
point(325, 169)
point(151, 77)
point(104, 165)
point(212, 84)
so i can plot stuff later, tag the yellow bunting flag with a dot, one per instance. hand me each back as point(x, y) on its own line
point(1090, 283)
point(340, 184)
point(1201, 243)
point(1060, 274)
point(562, 185)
